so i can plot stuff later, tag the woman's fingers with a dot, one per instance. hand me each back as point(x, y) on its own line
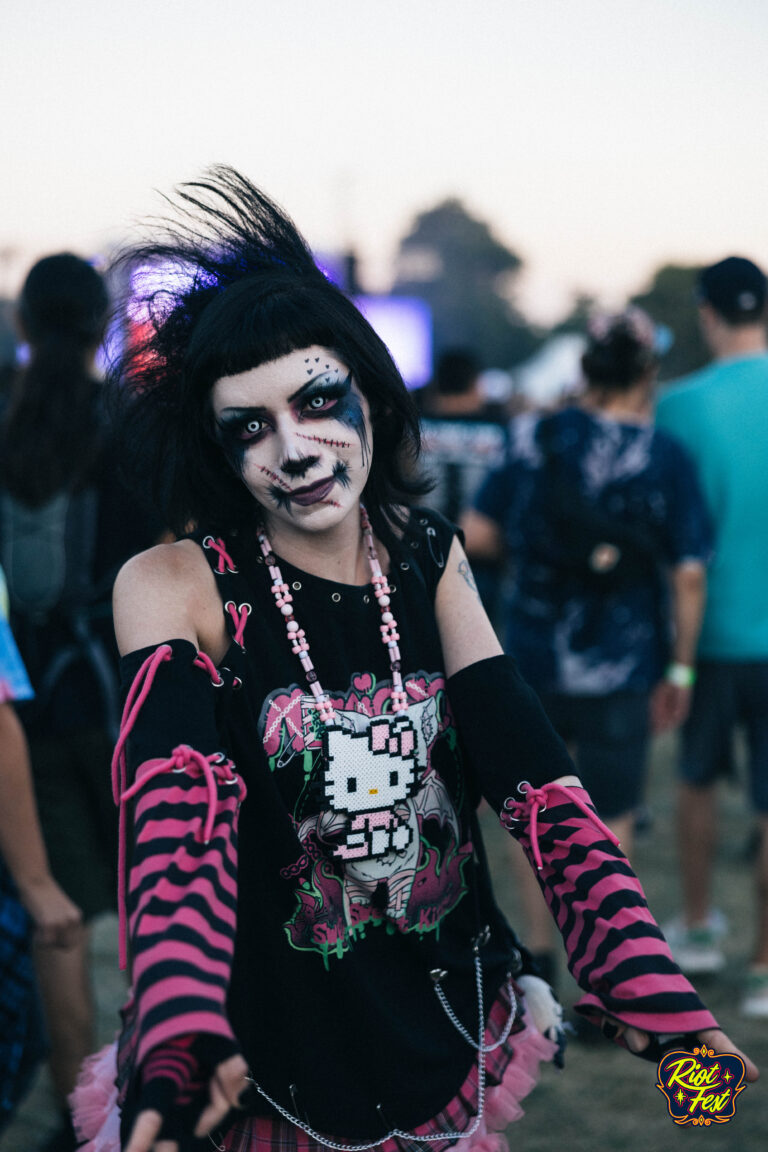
point(145, 1132)
point(226, 1085)
point(718, 1040)
point(637, 1041)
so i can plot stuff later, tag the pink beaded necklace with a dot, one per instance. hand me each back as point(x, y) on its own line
point(297, 637)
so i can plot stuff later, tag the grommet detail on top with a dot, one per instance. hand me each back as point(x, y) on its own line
point(516, 962)
point(335, 596)
point(423, 521)
point(438, 974)
point(404, 565)
point(414, 543)
point(296, 585)
point(366, 599)
point(393, 587)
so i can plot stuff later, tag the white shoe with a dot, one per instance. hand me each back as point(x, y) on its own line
point(697, 950)
point(755, 1002)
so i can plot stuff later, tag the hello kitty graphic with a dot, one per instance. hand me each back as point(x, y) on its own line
point(370, 776)
point(379, 836)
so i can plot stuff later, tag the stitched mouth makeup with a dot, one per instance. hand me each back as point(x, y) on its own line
point(312, 493)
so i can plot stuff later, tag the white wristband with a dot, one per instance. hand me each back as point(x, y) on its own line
point(681, 675)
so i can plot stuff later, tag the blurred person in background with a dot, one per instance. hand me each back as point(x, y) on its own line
point(721, 415)
point(605, 521)
point(464, 438)
point(66, 525)
point(30, 899)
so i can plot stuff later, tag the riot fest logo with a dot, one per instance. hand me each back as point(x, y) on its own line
point(701, 1086)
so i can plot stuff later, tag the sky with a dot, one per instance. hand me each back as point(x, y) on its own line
point(598, 138)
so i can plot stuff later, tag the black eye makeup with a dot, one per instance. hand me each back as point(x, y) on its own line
point(323, 396)
point(333, 398)
point(327, 396)
point(240, 425)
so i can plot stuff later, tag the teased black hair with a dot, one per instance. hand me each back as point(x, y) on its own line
point(242, 290)
point(618, 358)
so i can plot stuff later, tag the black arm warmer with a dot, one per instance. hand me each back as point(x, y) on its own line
point(504, 729)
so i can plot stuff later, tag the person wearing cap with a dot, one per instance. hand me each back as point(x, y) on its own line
point(721, 414)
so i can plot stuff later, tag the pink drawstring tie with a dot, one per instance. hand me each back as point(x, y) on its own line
point(224, 562)
point(239, 618)
point(182, 758)
point(535, 801)
point(204, 661)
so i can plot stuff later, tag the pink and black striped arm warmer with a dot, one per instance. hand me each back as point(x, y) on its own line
point(179, 814)
point(616, 951)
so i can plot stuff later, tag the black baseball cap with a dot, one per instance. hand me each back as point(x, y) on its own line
point(736, 288)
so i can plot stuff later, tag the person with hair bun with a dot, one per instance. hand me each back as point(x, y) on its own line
point(610, 535)
point(314, 703)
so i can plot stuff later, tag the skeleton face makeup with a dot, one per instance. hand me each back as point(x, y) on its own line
point(297, 430)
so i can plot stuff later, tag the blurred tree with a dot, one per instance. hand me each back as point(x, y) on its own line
point(467, 276)
point(670, 300)
point(577, 320)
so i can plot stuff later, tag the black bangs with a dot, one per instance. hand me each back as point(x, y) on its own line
point(231, 284)
point(263, 318)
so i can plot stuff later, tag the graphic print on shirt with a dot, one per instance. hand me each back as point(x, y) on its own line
point(378, 827)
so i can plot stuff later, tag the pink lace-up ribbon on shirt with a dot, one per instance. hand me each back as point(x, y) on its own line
point(183, 759)
point(535, 801)
point(224, 562)
point(239, 619)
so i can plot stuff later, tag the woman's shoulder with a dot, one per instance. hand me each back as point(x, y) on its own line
point(177, 560)
point(168, 590)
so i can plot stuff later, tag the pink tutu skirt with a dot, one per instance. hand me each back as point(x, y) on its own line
point(511, 1072)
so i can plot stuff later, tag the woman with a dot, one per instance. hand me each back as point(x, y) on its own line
point(66, 526)
point(316, 952)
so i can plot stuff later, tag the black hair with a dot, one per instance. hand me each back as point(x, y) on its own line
point(51, 436)
point(241, 289)
point(617, 357)
point(456, 371)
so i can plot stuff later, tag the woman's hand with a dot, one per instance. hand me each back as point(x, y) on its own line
point(635, 1040)
point(58, 922)
point(226, 1089)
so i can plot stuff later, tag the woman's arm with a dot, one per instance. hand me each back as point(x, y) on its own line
point(466, 633)
point(671, 699)
point(181, 886)
point(615, 949)
point(57, 920)
point(484, 686)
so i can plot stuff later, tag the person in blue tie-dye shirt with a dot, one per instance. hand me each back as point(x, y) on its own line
point(610, 534)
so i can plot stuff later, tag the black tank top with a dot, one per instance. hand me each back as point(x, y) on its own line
point(346, 905)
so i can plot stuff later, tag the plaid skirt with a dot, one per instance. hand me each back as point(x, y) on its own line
point(511, 1072)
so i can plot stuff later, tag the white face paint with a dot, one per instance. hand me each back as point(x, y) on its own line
point(298, 430)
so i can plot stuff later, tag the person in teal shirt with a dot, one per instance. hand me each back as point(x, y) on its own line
point(721, 415)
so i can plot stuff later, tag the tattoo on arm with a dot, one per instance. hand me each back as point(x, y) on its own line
point(466, 572)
